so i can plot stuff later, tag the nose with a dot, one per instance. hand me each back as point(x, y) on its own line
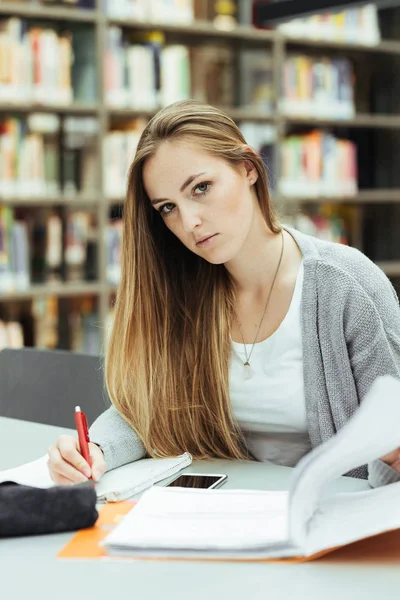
point(190, 218)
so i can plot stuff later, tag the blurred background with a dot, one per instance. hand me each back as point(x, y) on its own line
point(317, 96)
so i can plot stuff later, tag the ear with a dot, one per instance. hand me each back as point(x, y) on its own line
point(251, 171)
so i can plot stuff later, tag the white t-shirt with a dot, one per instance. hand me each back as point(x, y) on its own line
point(270, 406)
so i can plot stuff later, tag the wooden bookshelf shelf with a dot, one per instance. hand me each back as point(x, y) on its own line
point(204, 30)
point(384, 47)
point(391, 267)
point(51, 13)
point(65, 109)
point(74, 201)
point(245, 114)
point(130, 113)
point(378, 196)
point(200, 29)
point(360, 120)
point(61, 290)
point(238, 114)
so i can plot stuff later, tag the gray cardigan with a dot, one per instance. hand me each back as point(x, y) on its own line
point(351, 335)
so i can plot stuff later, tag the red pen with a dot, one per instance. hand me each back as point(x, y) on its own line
point(83, 434)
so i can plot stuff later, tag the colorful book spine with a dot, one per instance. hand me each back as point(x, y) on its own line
point(318, 165)
point(357, 25)
point(142, 73)
point(317, 87)
point(35, 63)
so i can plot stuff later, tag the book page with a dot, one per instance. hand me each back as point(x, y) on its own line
point(197, 519)
point(349, 517)
point(372, 432)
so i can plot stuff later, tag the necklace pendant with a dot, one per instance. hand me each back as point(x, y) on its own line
point(247, 370)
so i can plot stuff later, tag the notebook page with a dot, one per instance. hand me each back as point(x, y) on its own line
point(35, 474)
point(179, 518)
point(348, 517)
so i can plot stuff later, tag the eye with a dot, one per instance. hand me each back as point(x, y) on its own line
point(203, 187)
point(166, 209)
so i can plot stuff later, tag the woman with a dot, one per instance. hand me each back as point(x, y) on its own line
point(233, 336)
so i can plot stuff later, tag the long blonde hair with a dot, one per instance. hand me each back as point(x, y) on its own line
point(168, 352)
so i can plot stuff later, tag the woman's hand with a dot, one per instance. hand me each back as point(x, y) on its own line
point(67, 465)
point(393, 459)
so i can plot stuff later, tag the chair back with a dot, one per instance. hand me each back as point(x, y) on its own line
point(44, 386)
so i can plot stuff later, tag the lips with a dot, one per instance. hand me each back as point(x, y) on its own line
point(204, 238)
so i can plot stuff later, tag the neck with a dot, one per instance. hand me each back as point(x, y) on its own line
point(254, 266)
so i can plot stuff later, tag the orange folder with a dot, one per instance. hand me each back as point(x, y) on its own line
point(383, 548)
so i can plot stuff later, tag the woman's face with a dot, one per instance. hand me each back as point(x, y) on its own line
point(204, 201)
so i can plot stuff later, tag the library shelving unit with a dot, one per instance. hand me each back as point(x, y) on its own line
point(197, 33)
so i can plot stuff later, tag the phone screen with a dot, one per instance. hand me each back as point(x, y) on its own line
point(196, 481)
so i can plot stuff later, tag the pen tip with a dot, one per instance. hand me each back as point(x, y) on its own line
point(78, 409)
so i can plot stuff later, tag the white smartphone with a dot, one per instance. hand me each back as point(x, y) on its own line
point(199, 480)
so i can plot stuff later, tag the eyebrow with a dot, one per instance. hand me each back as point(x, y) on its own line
point(182, 188)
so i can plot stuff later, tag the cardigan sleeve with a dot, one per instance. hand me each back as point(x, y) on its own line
point(118, 441)
point(373, 342)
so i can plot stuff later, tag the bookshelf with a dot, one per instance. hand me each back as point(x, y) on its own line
point(201, 32)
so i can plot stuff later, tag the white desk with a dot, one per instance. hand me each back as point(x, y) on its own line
point(29, 567)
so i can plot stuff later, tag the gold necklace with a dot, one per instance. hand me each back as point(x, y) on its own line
point(247, 368)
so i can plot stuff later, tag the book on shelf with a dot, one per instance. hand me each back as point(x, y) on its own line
point(46, 64)
point(14, 253)
point(45, 315)
point(11, 335)
point(213, 74)
point(142, 73)
point(317, 87)
point(358, 25)
point(157, 11)
point(52, 322)
point(80, 326)
point(317, 164)
point(79, 231)
point(175, 74)
point(84, 69)
point(132, 66)
point(30, 156)
point(35, 62)
point(302, 523)
point(40, 246)
point(113, 240)
point(119, 149)
point(256, 89)
point(29, 160)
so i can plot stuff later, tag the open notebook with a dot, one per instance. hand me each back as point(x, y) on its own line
point(304, 522)
point(119, 484)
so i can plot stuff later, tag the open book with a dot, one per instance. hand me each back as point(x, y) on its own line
point(118, 484)
point(302, 522)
